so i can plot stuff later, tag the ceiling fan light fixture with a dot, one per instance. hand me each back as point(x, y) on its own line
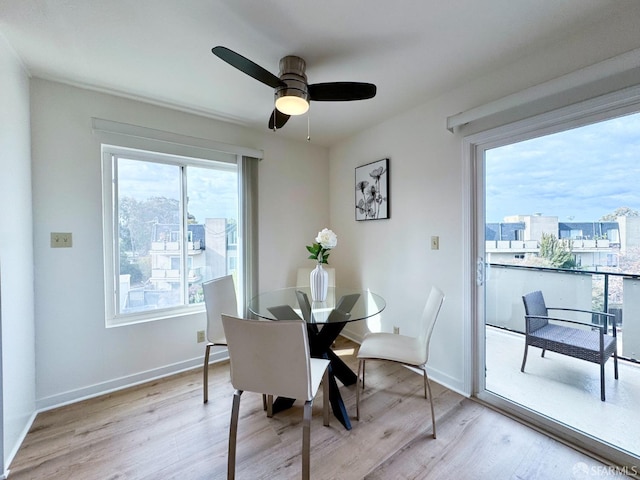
point(291, 105)
point(292, 98)
point(292, 102)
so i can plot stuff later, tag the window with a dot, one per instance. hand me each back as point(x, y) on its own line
point(199, 185)
point(174, 223)
point(613, 235)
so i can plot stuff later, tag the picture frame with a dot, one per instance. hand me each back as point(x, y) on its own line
point(372, 191)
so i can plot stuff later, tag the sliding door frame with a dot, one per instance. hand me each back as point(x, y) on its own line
point(602, 108)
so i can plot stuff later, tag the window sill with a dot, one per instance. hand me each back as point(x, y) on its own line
point(153, 316)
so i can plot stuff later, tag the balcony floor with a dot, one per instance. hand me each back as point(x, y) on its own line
point(567, 389)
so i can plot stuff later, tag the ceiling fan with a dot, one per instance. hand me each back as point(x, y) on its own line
point(292, 92)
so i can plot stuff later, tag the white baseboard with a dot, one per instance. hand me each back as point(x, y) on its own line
point(73, 396)
point(17, 445)
point(442, 378)
point(351, 336)
point(448, 381)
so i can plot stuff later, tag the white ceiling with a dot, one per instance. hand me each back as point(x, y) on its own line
point(413, 50)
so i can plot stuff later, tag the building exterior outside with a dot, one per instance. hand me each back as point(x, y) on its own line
point(593, 244)
point(211, 253)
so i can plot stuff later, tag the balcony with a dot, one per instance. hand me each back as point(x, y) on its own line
point(617, 293)
point(512, 246)
point(566, 389)
point(560, 387)
point(170, 248)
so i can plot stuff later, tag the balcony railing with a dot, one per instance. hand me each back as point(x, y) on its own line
point(616, 293)
point(534, 245)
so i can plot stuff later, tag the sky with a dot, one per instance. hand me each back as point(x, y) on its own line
point(211, 193)
point(576, 175)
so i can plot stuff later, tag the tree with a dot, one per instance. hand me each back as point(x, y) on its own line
point(620, 212)
point(137, 219)
point(128, 268)
point(557, 252)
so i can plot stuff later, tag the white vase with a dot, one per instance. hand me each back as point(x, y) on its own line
point(319, 282)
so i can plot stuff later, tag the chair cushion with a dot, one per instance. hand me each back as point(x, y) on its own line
point(318, 367)
point(394, 347)
point(575, 342)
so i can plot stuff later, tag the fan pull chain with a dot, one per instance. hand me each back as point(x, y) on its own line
point(308, 126)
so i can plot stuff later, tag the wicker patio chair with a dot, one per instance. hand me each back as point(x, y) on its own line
point(586, 341)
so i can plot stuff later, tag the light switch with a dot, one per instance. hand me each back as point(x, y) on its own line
point(61, 240)
point(435, 243)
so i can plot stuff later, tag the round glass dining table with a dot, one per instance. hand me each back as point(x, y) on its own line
point(353, 303)
point(341, 306)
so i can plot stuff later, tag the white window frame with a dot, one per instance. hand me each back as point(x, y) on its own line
point(110, 154)
point(127, 138)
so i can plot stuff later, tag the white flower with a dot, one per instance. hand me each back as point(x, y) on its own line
point(327, 239)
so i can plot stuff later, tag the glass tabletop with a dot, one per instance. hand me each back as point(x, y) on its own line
point(341, 305)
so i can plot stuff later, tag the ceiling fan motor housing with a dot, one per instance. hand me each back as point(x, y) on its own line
point(292, 73)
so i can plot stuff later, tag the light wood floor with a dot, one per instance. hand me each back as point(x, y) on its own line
point(162, 430)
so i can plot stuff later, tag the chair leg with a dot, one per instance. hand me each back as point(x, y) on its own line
point(358, 380)
point(363, 374)
point(205, 374)
point(602, 381)
point(524, 359)
point(615, 364)
point(233, 432)
point(265, 402)
point(433, 416)
point(424, 377)
point(269, 406)
point(306, 440)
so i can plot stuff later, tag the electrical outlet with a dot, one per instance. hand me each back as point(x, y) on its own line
point(201, 337)
point(396, 330)
point(61, 240)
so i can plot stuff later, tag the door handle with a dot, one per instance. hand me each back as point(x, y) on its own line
point(480, 273)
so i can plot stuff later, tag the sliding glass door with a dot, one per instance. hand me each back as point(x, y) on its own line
point(557, 209)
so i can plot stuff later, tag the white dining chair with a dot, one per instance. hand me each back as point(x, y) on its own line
point(305, 272)
point(273, 358)
point(411, 351)
point(219, 298)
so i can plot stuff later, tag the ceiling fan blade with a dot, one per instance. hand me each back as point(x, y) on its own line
point(341, 91)
point(247, 66)
point(278, 119)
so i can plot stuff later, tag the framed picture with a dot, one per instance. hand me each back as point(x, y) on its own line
point(372, 191)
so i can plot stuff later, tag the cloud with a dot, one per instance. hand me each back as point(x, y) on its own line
point(212, 193)
point(582, 173)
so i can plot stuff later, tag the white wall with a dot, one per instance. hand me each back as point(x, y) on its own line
point(76, 355)
point(429, 196)
point(393, 257)
point(17, 385)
